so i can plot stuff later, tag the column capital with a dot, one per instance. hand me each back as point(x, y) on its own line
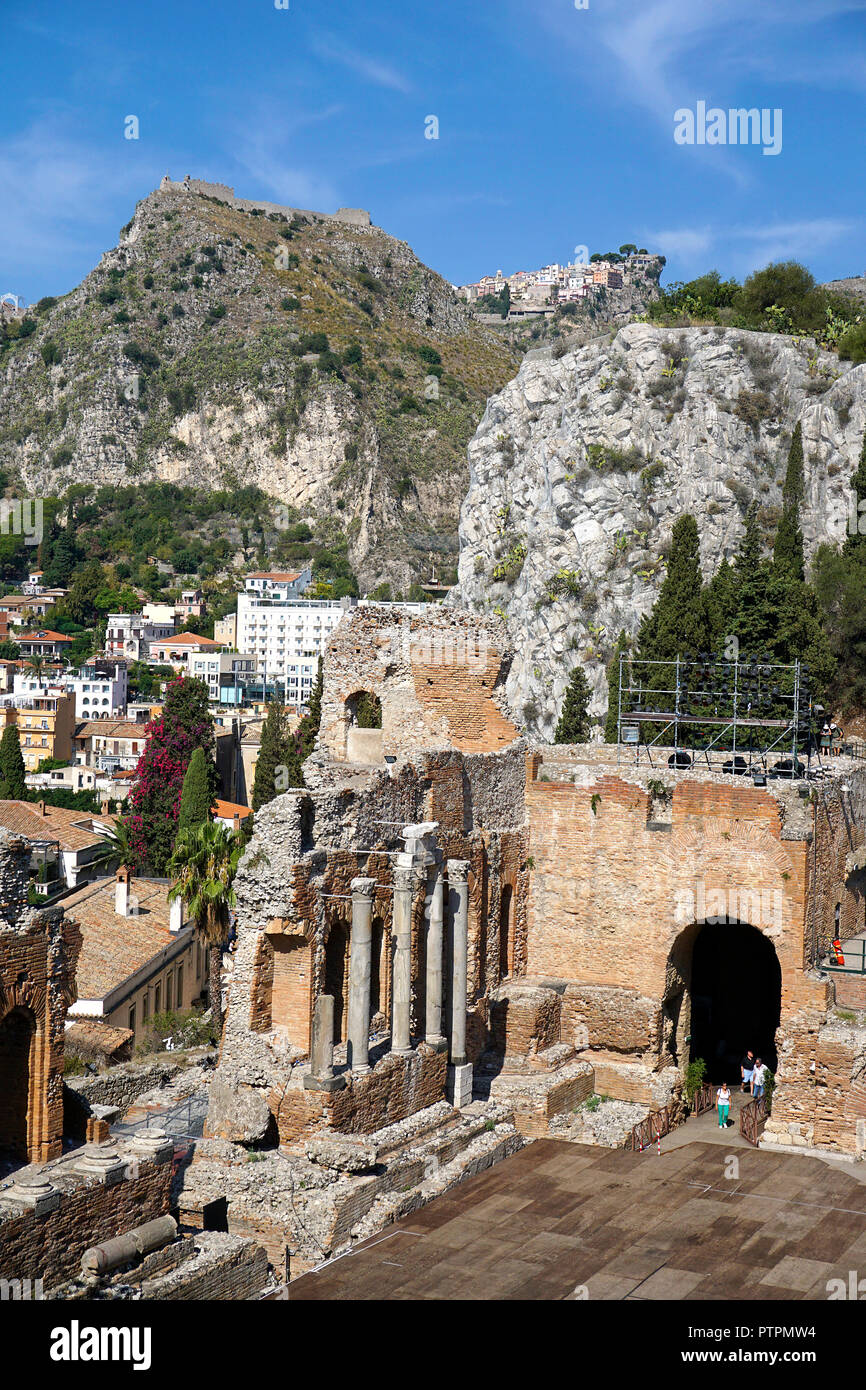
point(458, 870)
point(363, 887)
point(405, 878)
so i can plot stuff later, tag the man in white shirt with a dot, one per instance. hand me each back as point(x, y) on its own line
point(758, 1078)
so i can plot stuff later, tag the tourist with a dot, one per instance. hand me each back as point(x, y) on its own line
point(723, 1101)
point(825, 739)
point(758, 1078)
point(747, 1066)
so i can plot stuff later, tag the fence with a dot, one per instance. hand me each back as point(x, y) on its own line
point(656, 1125)
point(704, 1098)
point(752, 1117)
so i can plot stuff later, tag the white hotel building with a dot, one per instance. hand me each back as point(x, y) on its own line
point(287, 635)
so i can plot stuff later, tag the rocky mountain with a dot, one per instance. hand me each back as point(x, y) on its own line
point(582, 464)
point(223, 344)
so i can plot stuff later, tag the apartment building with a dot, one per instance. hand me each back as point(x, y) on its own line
point(227, 675)
point(131, 634)
point(46, 725)
point(178, 651)
point(287, 636)
point(282, 584)
point(100, 687)
point(43, 643)
point(109, 745)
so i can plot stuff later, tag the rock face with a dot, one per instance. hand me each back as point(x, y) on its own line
point(209, 349)
point(581, 466)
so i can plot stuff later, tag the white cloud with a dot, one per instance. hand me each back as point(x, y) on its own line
point(371, 69)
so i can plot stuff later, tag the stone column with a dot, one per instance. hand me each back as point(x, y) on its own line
point(360, 959)
point(435, 942)
point(321, 1074)
point(458, 902)
point(401, 993)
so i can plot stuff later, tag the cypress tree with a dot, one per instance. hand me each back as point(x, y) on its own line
point(610, 723)
point(574, 723)
point(788, 546)
point(196, 798)
point(854, 544)
point(309, 725)
point(753, 621)
point(678, 622)
point(276, 750)
point(12, 784)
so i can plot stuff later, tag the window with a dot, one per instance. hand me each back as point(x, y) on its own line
point(145, 1007)
point(178, 1000)
point(157, 996)
point(168, 992)
point(130, 1023)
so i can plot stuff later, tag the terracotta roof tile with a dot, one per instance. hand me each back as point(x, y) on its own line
point(113, 947)
point(72, 829)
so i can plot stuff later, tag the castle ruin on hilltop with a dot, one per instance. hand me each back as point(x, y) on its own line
point(356, 217)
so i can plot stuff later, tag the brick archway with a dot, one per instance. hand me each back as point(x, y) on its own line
point(723, 993)
point(17, 1057)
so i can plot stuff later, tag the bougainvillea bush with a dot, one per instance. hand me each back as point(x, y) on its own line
point(154, 801)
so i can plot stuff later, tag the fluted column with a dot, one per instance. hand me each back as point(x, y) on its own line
point(401, 993)
point(435, 941)
point(458, 902)
point(360, 959)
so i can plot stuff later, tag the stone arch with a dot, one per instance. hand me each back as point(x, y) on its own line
point(18, 1040)
point(362, 720)
point(723, 993)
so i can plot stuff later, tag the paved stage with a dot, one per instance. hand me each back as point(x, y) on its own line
point(558, 1217)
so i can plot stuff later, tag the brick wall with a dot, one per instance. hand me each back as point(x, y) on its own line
point(49, 1247)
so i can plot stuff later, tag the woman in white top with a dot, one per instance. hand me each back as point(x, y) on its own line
point(723, 1101)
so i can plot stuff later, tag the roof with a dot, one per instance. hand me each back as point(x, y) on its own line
point(279, 576)
point(44, 635)
point(73, 830)
point(187, 639)
point(227, 810)
point(110, 728)
point(92, 1035)
point(113, 947)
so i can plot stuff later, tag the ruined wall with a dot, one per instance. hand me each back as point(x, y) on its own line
point(439, 677)
point(48, 1245)
point(38, 956)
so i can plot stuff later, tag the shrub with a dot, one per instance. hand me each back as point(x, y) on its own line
point(852, 344)
point(290, 303)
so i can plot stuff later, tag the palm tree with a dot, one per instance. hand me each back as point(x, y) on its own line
point(118, 848)
point(37, 666)
point(203, 864)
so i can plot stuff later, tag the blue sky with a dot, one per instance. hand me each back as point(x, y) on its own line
point(555, 125)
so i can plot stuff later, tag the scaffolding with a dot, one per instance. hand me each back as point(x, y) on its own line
point(731, 716)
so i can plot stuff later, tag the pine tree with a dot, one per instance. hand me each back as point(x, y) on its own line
point(611, 728)
point(574, 722)
point(12, 784)
point(276, 750)
point(196, 798)
point(788, 547)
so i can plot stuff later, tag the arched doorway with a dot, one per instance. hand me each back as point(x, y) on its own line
point(380, 972)
point(17, 1031)
point(363, 724)
point(727, 997)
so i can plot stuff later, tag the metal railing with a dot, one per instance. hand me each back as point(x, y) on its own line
point(704, 1098)
point(650, 1130)
point(752, 1117)
point(849, 948)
